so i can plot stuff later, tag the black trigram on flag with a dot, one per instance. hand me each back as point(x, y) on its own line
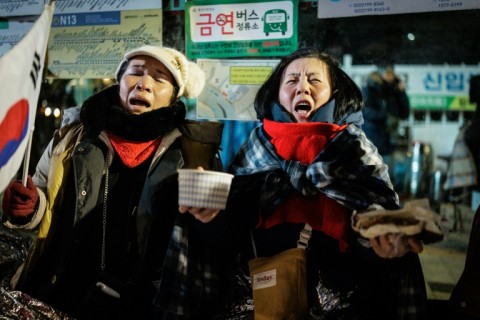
point(34, 73)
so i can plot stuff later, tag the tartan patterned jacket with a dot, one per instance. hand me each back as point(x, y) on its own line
point(350, 171)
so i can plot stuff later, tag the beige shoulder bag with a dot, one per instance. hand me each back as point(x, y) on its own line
point(279, 282)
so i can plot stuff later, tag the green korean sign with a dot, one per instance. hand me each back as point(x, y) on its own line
point(440, 102)
point(222, 29)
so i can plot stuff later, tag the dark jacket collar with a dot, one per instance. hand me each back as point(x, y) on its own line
point(102, 111)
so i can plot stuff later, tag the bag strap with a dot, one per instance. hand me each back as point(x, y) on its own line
point(302, 242)
point(305, 236)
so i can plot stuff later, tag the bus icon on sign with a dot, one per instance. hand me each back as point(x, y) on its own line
point(275, 20)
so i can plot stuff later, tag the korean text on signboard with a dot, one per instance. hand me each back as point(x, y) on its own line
point(444, 88)
point(246, 28)
point(431, 87)
point(90, 44)
point(335, 8)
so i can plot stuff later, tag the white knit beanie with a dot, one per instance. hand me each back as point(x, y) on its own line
point(188, 75)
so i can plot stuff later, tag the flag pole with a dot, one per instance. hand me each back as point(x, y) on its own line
point(26, 159)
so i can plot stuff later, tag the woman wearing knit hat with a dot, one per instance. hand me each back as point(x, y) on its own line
point(112, 242)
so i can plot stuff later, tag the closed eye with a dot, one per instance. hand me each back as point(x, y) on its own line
point(137, 73)
point(161, 78)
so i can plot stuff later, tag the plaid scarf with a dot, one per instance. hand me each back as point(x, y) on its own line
point(189, 282)
point(349, 170)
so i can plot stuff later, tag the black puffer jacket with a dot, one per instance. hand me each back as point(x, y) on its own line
point(105, 214)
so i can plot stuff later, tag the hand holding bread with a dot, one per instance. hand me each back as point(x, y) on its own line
point(395, 245)
point(394, 233)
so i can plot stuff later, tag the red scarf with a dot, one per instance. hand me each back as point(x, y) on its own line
point(303, 142)
point(133, 153)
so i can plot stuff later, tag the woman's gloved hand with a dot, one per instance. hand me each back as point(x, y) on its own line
point(20, 201)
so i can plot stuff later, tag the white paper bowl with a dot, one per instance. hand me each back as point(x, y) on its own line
point(203, 188)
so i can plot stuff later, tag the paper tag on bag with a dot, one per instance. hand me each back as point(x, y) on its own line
point(264, 279)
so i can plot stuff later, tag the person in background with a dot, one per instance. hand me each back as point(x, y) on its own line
point(386, 103)
point(464, 301)
point(309, 162)
point(111, 241)
point(472, 132)
point(465, 298)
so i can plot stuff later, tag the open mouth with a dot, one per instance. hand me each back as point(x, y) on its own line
point(139, 102)
point(303, 108)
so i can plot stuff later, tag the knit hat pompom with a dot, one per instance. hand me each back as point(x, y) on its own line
point(196, 81)
point(188, 75)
